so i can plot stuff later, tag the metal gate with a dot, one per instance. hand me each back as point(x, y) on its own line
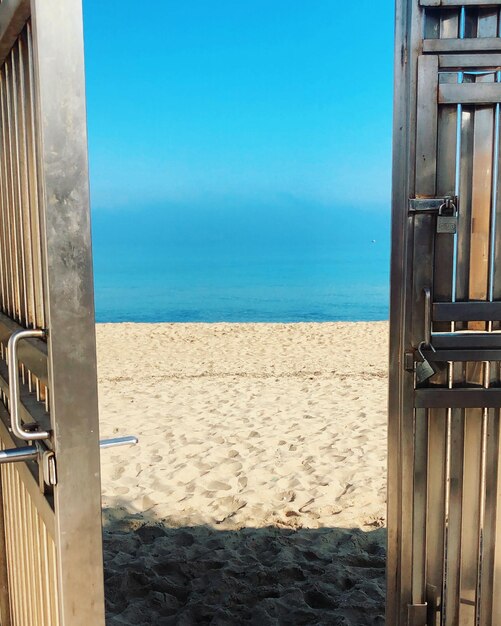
point(50, 516)
point(444, 496)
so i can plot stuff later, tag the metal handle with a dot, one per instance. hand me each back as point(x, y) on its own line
point(14, 455)
point(427, 316)
point(118, 441)
point(16, 424)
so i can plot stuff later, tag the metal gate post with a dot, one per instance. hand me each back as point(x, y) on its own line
point(58, 46)
point(400, 442)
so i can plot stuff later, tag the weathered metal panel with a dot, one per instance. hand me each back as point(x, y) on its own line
point(444, 437)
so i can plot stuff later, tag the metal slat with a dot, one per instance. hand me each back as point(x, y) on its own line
point(484, 44)
point(469, 61)
point(488, 542)
point(494, 489)
point(426, 136)
point(31, 588)
point(7, 206)
point(469, 93)
point(5, 609)
point(466, 311)
point(469, 398)
point(34, 180)
point(454, 515)
point(13, 204)
point(443, 261)
point(18, 187)
point(478, 289)
point(467, 341)
point(25, 194)
point(420, 499)
point(461, 356)
point(426, 174)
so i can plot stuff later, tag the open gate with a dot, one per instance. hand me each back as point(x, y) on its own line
point(444, 495)
point(50, 514)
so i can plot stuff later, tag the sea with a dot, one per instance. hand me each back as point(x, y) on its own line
point(252, 264)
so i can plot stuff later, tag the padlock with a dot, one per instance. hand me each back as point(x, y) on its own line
point(447, 224)
point(424, 369)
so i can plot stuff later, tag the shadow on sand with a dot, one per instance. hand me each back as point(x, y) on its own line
point(159, 575)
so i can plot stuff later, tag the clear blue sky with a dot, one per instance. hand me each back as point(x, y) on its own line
point(201, 103)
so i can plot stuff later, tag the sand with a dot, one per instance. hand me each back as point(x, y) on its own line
point(257, 493)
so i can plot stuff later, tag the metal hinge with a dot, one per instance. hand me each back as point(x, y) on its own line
point(417, 614)
point(430, 205)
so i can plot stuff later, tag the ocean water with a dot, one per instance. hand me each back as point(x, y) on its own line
point(163, 265)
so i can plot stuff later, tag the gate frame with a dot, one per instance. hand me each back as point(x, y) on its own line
point(399, 497)
point(57, 29)
point(403, 603)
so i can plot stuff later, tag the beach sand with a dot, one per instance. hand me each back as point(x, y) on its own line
point(257, 493)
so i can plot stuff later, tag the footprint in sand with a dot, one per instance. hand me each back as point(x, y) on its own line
point(117, 472)
point(217, 485)
point(230, 467)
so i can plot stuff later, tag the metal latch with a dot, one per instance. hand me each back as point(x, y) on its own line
point(432, 205)
point(47, 458)
point(36, 452)
point(49, 468)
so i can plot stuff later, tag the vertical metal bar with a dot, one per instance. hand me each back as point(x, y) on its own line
point(3, 267)
point(493, 517)
point(429, 440)
point(409, 26)
point(475, 428)
point(39, 565)
point(4, 582)
point(7, 200)
point(420, 507)
point(481, 203)
point(442, 261)
point(20, 574)
point(12, 544)
point(453, 553)
point(426, 134)
point(46, 575)
point(12, 204)
point(488, 544)
point(18, 187)
point(35, 184)
point(59, 75)
point(25, 192)
point(29, 580)
point(400, 195)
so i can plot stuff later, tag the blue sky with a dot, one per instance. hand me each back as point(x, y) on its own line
point(228, 103)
